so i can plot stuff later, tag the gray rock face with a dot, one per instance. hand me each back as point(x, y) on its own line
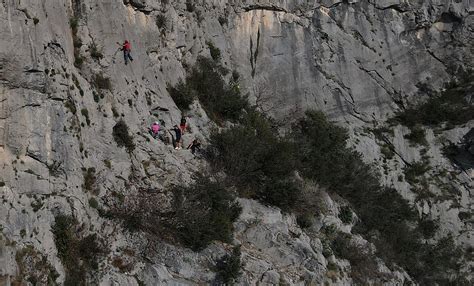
point(358, 61)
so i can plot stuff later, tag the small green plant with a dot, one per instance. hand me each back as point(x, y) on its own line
point(36, 205)
point(414, 171)
point(93, 203)
point(96, 96)
point(115, 112)
point(69, 104)
point(223, 20)
point(95, 52)
point(122, 137)
point(74, 24)
point(85, 113)
point(102, 82)
point(190, 6)
point(161, 21)
point(449, 106)
point(304, 220)
point(78, 254)
point(33, 267)
point(428, 228)
point(417, 136)
point(363, 262)
point(345, 214)
point(182, 95)
point(108, 164)
point(228, 267)
point(89, 179)
point(214, 51)
point(78, 60)
point(387, 152)
point(205, 211)
point(205, 81)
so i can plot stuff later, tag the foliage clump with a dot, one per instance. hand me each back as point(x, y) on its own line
point(33, 267)
point(95, 52)
point(259, 163)
point(205, 81)
point(79, 255)
point(89, 179)
point(102, 82)
point(204, 211)
point(448, 106)
point(252, 156)
point(417, 136)
point(214, 51)
point(160, 21)
point(122, 137)
point(228, 267)
point(200, 214)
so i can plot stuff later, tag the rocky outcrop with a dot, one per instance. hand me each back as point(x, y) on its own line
point(63, 86)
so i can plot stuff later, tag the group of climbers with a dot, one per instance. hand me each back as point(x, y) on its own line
point(155, 127)
point(179, 131)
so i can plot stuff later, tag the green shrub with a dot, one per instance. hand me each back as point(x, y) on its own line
point(345, 214)
point(449, 106)
point(414, 171)
point(223, 20)
point(190, 6)
point(252, 155)
point(35, 21)
point(33, 267)
point(228, 267)
point(304, 220)
point(95, 52)
point(78, 254)
point(428, 228)
point(214, 51)
point(78, 60)
point(122, 137)
point(182, 95)
point(102, 82)
point(74, 24)
point(160, 21)
point(417, 136)
point(384, 215)
point(387, 152)
point(282, 194)
point(93, 203)
point(69, 104)
point(89, 179)
point(205, 81)
point(323, 156)
point(364, 266)
point(219, 99)
point(204, 211)
point(200, 213)
point(85, 113)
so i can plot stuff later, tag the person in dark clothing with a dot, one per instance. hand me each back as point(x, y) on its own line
point(177, 139)
point(195, 145)
point(127, 49)
point(182, 125)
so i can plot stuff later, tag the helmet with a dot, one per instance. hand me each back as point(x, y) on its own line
point(126, 41)
point(156, 122)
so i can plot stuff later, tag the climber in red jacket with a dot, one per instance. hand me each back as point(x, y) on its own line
point(127, 49)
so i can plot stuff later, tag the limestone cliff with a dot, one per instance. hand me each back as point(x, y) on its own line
point(64, 86)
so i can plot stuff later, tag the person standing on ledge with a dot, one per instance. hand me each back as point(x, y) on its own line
point(177, 139)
